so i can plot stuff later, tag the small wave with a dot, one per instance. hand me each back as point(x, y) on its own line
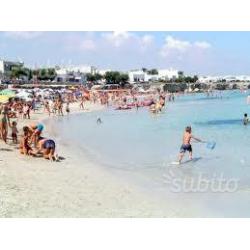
point(220, 122)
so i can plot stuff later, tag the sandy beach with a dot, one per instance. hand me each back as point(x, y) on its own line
point(34, 187)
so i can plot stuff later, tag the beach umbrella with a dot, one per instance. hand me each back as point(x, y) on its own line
point(7, 92)
point(23, 95)
point(4, 98)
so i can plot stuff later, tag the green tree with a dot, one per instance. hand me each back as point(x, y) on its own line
point(90, 77)
point(188, 79)
point(93, 77)
point(51, 72)
point(45, 74)
point(195, 78)
point(112, 77)
point(153, 72)
point(98, 77)
point(35, 72)
point(180, 74)
point(28, 73)
point(42, 75)
point(115, 77)
point(19, 72)
point(123, 79)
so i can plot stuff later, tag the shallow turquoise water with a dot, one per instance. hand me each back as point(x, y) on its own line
point(141, 146)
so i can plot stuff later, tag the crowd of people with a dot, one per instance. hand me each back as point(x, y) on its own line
point(30, 138)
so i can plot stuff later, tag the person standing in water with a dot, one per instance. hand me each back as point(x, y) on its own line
point(186, 144)
point(99, 121)
point(245, 119)
point(67, 108)
point(248, 99)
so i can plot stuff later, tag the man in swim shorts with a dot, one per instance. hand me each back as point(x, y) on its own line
point(186, 144)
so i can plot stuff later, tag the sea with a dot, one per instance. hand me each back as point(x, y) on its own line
point(141, 147)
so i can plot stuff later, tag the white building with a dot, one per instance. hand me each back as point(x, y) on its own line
point(103, 71)
point(209, 79)
point(163, 74)
point(243, 78)
point(167, 74)
point(74, 73)
point(80, 68)
point(6, 66)
point(228, 79)
point(137, 76)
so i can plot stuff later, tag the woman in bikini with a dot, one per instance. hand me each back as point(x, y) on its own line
point(4, 122)
point(35, 131)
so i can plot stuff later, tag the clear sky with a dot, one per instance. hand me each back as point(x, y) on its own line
point(213, 53)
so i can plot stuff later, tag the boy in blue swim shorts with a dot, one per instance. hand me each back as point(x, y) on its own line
point(186, 144)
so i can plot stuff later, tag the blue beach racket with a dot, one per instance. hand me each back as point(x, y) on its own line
point(211, 145)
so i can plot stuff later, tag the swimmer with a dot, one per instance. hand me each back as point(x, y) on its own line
point(99, 121)
point(158, 107)
point(67, 108)
point(248, 99)
point(186, 144)
point(152, 108)
point(155, 108)
point(245, 119)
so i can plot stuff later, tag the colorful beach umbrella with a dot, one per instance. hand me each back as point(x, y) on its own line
point(7, 92)
point(4, 98)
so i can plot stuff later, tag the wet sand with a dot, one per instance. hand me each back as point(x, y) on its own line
point(73, 187)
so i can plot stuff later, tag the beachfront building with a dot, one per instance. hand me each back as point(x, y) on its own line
point(167, 74)
point(143, 76)
point(244, 78)
point(6, 67)
point(74, 74)
point(137, 76)
point(210, 79)
point(228, 79)
point(103, 71)
point(240, 78)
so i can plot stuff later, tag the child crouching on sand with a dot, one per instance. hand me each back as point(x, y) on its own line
point(24, 146)
point(47, 147)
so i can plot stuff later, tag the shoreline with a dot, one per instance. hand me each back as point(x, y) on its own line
point(34, 187)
